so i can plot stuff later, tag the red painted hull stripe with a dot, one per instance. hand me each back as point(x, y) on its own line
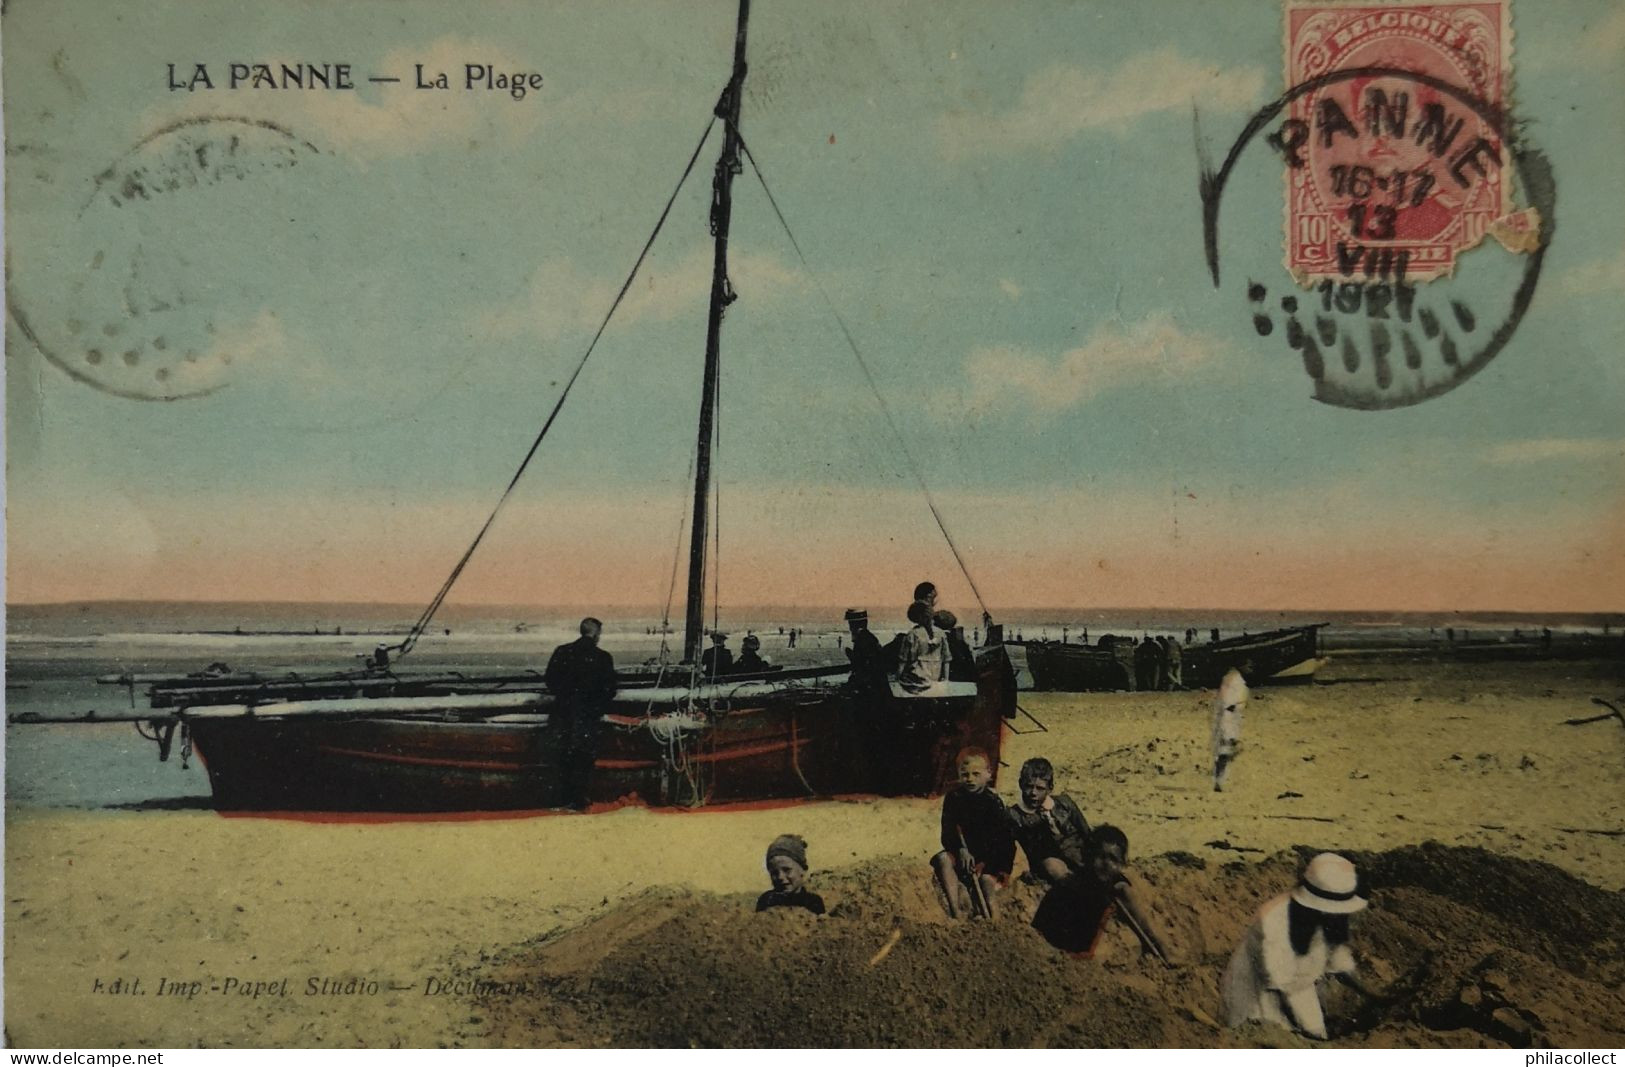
point(770, 748)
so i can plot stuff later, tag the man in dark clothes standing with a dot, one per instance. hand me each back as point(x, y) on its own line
point(868, 658)
point(581, 677)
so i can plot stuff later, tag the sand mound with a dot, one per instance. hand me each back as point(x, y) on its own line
point(1468, 943)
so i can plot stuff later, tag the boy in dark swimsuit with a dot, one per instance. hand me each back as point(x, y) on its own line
point(977, 849)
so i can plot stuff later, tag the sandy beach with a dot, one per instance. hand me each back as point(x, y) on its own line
point(183, 928)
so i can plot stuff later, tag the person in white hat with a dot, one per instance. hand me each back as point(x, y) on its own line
point(1227, 709)
point(1296, 939)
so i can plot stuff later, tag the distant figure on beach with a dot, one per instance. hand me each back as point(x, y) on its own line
point(1176, 664)
point(1049, 826)
point(1228, 707)
point(1296, 939)
point(977, 849)
point(787, 870)
point(1147, 657)
point(961, 660)
point(716, 660)
point(1164, 664)
point(1213, 634)
point(581, 677)
point(750, 656)
point(1074, 914)
point(923, 658)
point(792, 643)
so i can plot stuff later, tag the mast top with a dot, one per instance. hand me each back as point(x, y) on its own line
point(722, 294)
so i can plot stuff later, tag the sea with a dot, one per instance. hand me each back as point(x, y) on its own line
point(55, 654)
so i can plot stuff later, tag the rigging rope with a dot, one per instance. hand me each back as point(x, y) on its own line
point(874, 387)
point(422, 623)
point(676, 560)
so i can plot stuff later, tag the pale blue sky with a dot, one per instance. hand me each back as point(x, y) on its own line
point(1000, 199)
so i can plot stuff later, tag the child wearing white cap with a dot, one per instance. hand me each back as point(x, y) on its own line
point(1297, 938)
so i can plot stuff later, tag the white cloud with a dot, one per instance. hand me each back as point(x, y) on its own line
point(1541, 450)
point(561, 299)
point(1598, 276)
point(1063, 101)
point(1012, 379)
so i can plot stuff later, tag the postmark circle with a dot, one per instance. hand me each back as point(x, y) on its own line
point(1371, 338)
point(147, 302)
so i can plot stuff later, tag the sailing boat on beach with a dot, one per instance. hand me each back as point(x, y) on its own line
point(381, 739)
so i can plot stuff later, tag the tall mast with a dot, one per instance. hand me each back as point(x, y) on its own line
point(722, 295)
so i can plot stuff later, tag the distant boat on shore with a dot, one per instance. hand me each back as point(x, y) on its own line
point(1290, 655)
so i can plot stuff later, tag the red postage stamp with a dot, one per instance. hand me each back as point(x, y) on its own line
point(1396, 161)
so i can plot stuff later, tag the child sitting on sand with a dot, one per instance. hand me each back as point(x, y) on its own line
point(977, 849)
point(1050, 827)
point(787, 870)
point(1074, 914)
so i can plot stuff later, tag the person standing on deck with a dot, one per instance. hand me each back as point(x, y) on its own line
point(961, 660)
point(868, 659)
point(1227, 710)
point(581, 677)
point(750, 656)
point(716, 660)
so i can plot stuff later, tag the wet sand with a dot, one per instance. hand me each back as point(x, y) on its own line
point(1388, 754)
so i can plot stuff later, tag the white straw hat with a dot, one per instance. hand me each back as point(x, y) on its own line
point(1328, 885)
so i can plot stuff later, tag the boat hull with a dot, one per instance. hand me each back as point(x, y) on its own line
point(799, 741)
point(1278, 657)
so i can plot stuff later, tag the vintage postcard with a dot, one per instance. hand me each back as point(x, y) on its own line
point(746, 523)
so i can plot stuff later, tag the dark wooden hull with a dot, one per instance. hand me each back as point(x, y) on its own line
point(801, 741)
point(1078, 668)
point(1086, 668)
point(1259, 657)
